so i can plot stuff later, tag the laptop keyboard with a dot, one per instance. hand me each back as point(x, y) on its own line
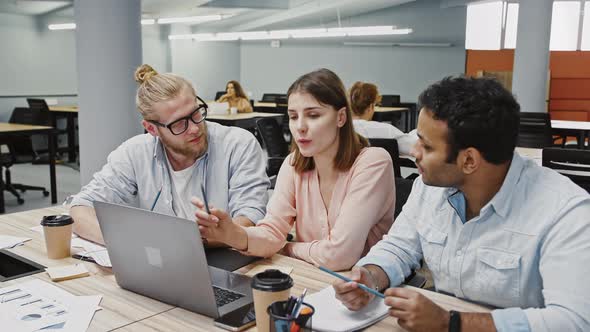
point(224, 296)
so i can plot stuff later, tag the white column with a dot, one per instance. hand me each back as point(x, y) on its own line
point(531, 57)
point(108, 46)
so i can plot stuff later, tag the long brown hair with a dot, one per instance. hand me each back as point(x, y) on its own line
point(363, 95)
point(327, 88)
point(237, 88)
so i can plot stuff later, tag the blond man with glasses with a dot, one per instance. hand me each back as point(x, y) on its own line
point(163, 169)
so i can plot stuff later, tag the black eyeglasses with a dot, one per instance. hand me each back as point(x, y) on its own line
point(179, 126)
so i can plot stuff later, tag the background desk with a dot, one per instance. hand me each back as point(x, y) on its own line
point(580, 129)
point(10, 129)
point(242, 120)
point(127, 311)
point(381, 113)
point(70, 113)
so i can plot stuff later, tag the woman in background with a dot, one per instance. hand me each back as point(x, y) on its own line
point(338, 193)
point(235, 96)
point(363, 98)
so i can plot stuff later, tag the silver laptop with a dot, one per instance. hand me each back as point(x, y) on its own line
point(162, 257)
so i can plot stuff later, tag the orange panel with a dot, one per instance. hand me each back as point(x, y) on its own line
point(569, 115)
point(570, 64)
point(571, 105)
point(564, 88)
point(501, 60)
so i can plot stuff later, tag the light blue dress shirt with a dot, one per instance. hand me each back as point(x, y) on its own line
point(528, 251)
point(232, 170)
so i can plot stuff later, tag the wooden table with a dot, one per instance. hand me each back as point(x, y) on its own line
point(127, 311)
point(11, 129)
point(580, 129)
point(70, 113)
point(242, 120)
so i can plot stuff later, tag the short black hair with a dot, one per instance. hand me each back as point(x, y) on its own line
point(479, 112)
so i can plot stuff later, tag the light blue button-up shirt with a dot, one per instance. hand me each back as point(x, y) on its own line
point(232, 170)
point(528, 251)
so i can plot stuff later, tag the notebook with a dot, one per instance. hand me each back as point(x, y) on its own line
point(332, 316)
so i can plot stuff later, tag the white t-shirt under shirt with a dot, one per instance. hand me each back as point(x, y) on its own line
point(181, 190)
point(375, 129)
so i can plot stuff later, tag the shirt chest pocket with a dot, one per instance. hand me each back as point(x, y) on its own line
point(498, 277)
point(433, 243)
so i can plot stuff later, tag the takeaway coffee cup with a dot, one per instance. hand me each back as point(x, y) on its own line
point(268, 287)
point(233, 110)
point(58, 235)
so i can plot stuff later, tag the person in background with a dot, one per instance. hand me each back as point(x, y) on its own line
point(337, 192)
point(363, 98)
point(235, 96)
point(162, 169)
point(493, 227)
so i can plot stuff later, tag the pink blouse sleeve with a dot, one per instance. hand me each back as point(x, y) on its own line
point(371, 194)
point(270, 234)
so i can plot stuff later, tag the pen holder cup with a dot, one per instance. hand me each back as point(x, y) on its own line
point(279, 321)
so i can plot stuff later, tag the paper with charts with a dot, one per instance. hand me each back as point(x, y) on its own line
point(332, 316)
point(36, 304)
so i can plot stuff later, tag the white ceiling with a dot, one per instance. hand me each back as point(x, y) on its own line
point(298, 13)
point(30, 7)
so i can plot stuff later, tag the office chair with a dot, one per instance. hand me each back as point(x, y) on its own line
point(535, 130)
point(390, 145)
point(276, 147)
point(43, 118)
point(20, 152)
point(218, 95)
point(573, 163)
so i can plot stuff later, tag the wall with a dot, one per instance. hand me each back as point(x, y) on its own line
point(37, 61)
point(208, 65)
point(33, 61)
point(396, 70)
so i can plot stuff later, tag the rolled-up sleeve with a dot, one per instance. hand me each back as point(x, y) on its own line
point(371, 195)
point(400, 251)
point(115, 182)
point(248, 182)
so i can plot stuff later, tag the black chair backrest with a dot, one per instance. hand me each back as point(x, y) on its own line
point(22, 145)
point(403, 187)
point(273, 97)
point(272, 137)
point(41, 111)
point(390, 100)
point(535, 130)
point(573, 163)
point(390, 145)
point(277, 148)
point(219, 94)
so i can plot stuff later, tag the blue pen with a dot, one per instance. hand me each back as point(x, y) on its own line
point(156, 200)
point(362, 286)
point(295, 311)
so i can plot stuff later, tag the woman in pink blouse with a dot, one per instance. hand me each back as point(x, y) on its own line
point(338, 192)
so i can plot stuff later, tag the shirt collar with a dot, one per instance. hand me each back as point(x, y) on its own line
point(502, 201)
